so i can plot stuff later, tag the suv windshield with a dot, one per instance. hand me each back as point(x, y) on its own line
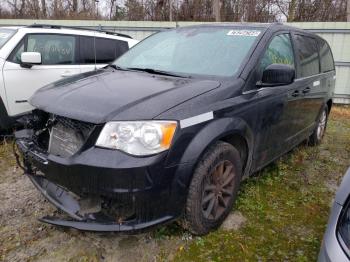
point(216, 51)
point(5, 35)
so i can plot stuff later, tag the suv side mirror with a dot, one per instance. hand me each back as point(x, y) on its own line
point(277, 75)
point(28, 59)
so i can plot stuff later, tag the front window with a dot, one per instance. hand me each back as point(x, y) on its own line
point(5, 35)
point(54, 49)
point(216, 51)
point(279, 51)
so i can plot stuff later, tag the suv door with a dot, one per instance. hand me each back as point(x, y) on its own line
point(310, 82)
point(107, 50)
point(278, 105)
point(58, 55)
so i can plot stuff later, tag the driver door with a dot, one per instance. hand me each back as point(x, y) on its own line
point(278, 105)
point(58, 56)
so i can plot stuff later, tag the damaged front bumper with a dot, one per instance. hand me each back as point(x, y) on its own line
point(104, 190)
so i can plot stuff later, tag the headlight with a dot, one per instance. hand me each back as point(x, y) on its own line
point(138, 137)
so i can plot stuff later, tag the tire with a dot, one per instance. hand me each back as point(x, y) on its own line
point(320, 129)
point(213, 188)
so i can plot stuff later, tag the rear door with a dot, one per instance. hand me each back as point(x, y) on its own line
point(107, 50)
point(310, 80)
point(58, 55)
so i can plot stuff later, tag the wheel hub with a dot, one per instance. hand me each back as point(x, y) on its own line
point(218, 190)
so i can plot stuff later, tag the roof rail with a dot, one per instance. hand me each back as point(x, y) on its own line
point(76, 28)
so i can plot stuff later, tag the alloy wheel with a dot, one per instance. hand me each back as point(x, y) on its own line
point(218, 190)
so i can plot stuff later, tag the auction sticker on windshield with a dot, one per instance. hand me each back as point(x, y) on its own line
point(244, 32)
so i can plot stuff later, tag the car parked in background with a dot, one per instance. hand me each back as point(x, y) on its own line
point(336, 241)
point(171, 128)
point(36, 55)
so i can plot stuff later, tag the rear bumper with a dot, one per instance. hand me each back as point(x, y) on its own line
point(106, 190)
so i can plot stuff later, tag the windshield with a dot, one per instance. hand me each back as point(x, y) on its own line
point(216, 51)
point(5, 35)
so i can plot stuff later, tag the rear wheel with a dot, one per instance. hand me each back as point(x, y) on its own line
point(213, 188)
point(320, 129)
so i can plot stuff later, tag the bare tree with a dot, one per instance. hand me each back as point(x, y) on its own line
point(185, 10)
point(216, 10)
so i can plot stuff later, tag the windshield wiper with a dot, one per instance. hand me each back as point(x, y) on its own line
point(155, 71)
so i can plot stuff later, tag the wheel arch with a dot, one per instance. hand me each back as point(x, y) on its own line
point(329, 104)
point(5, 121)
point(234, 131)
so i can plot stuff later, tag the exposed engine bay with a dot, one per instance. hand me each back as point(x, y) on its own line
point(57, 135)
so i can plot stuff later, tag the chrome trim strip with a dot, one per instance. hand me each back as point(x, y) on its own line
point(191, 121)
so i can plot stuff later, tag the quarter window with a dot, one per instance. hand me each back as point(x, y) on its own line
point(107, 50)
point(308, 56)
point(15, 56)
point(279, 51)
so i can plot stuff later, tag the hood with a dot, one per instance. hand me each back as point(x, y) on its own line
point(105, 95)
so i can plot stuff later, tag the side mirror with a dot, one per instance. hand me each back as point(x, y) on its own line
point(278, 75)
point(28, 59)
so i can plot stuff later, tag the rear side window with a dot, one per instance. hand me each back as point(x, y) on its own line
point(307, 51)
point(279, 51)
point(107, 50)
point(327, 62)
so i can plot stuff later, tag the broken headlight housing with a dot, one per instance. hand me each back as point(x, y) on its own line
point(138, 138)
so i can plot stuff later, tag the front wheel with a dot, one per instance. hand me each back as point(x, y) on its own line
point(320, 129)
point(213, 188)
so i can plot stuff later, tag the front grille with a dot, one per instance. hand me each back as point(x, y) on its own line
point(67, 136)
point(79, 126)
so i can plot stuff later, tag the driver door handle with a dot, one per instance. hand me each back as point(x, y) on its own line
point(306, 90)
point(295, 93)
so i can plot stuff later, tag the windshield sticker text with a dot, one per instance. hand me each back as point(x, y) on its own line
point(243, 32)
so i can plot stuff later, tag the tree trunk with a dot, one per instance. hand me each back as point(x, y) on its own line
point(216, 10)
point(291, 11)
point(75, 7)
point(93, 8)
point(21, 9)
point(171, 10)
point(43, 8)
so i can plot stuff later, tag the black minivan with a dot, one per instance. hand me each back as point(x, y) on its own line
point(170, 129)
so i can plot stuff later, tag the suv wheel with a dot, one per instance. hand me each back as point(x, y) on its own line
point(213, 188)
point(320, 129)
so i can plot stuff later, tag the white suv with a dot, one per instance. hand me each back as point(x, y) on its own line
point(36, 55)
